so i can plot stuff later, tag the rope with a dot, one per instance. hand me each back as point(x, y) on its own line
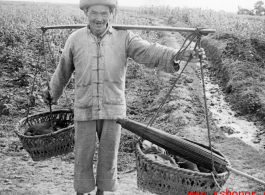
point(180, 52)
point(206, 108)
point(167, 96)
point(54, 62)
point(51, 58)
point(33, 85)
point(197, 34)
point(215, 180)
point(47, 75)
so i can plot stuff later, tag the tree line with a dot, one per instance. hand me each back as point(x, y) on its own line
point(259, 10)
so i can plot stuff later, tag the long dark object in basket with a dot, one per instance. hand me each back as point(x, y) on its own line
point(196, 153)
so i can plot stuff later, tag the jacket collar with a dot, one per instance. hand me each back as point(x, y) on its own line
point(109, 29)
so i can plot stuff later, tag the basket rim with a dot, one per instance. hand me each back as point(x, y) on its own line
point(45, 135)
point(187, 171)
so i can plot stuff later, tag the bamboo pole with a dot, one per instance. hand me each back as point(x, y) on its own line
point(134, 27)
point(245, 175)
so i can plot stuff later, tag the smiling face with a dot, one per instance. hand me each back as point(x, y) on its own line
point(98, 17)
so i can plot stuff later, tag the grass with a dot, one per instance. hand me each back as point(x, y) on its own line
point(239, 25)
point(239, 65)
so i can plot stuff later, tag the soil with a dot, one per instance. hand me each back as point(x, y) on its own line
point(182, 115)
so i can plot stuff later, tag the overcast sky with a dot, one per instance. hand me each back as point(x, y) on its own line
point(225, 5)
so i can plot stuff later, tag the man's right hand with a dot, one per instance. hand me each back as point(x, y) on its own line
point(46, 96)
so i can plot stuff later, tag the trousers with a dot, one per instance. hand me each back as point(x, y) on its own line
point(108, 132)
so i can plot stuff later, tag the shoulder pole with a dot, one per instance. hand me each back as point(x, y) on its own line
point(135, 27)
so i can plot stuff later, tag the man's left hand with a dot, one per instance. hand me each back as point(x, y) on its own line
point(192, 56)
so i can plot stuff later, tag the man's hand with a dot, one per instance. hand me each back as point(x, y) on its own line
point(46, 96)
point(192, 55)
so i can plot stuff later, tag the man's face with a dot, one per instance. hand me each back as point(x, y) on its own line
point(98, 17)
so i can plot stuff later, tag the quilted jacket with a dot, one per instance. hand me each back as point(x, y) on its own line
point(100, 67)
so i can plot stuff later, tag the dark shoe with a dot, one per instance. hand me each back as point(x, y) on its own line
point(100, 192)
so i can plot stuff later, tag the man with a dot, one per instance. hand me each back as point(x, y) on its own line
point(98, 54)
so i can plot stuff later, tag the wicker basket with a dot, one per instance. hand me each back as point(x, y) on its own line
point(41, 147)
point(163, 179)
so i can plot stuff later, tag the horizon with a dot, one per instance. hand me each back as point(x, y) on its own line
point(203, 4)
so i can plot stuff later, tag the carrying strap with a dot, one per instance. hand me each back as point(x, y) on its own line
point(179, 55)
point(47, 77)
point(197, 34)
point(33, 86)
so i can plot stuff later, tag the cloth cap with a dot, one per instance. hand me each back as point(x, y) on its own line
point(86, 3)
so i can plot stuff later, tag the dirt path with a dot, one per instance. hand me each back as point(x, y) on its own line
point(20, 175)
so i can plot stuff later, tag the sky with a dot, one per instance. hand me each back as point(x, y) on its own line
point(217, 5)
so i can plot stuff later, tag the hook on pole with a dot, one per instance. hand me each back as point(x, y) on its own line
point(44, 29)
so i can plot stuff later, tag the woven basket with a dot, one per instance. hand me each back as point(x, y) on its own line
point(41, 147)
point(163, 179)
